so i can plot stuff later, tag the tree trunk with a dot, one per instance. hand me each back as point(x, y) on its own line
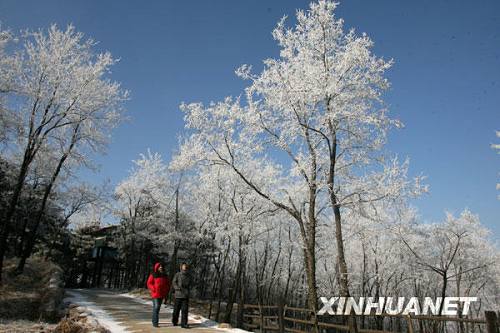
point(48, 190)
point(341, 262)
point(22, 238)
point(241, 301)
point(221, 281)
point(11, 210)
point(310, 265)
point(38, 219)
point(236, 285)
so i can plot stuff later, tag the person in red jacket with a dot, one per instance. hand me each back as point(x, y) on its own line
point(159, 285)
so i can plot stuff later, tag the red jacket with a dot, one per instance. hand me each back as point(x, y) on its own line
point(158, 285)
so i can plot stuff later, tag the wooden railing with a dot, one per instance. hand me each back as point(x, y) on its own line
point(283, 319)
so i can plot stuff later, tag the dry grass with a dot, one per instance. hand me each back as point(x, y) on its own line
point(74, 323)
point(73, 326)
point(20, 295)
point(24, 326)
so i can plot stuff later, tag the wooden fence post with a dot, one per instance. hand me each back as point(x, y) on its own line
point(281, 314)
point(315, 318)
point(261, 319)
point(491, 321)
point(351, 323)
point(410, 324)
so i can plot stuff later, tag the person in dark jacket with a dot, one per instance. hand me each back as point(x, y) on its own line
point(182, 285)
point(159, 285)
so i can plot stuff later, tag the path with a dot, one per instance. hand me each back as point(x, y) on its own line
point(122, 313)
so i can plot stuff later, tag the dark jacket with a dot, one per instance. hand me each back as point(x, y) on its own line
point(158, 283)
point(181, 284)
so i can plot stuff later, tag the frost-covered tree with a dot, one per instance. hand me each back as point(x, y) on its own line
point(9, 69)
point(141, 201)
point(150, 206)
point(80, 205)
point(497, 147)
point(64, 101)
point(235, 217)
point(144, 194)
point(315, 125)
point(457, 250)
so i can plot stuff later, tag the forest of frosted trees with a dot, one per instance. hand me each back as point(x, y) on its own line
point(283, 194)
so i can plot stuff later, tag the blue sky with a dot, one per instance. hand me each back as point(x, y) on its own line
point(445, 81)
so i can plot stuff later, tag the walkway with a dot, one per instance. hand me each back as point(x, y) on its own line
point(123, 313)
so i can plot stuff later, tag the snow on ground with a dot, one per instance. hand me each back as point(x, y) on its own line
point(103, 318)
point(194, 319)
point(24, 326)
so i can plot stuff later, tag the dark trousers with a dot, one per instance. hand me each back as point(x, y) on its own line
point(156, 310)
point(180, 304)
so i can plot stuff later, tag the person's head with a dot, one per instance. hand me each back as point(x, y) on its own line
point(159, 267)
point(184, 267)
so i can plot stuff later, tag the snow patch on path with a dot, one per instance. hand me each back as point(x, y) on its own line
point(194, 319)
point(94, 311)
